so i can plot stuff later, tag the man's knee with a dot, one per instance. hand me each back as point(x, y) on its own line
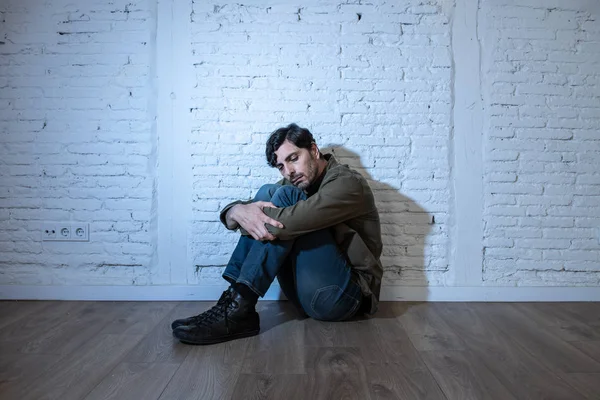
point(287, 196)
point(265, 193)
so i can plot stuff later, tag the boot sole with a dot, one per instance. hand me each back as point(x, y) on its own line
point(220, 340)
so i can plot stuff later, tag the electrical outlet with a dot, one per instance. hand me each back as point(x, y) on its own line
point(80, 232)
point(65, 232)
point(48, 232)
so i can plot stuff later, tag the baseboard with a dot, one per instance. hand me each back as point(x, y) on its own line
point(212, 292)
point(489, 294)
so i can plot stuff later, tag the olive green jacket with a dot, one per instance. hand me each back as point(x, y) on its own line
point(342, 201)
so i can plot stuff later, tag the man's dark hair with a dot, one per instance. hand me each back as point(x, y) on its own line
point(300, 137)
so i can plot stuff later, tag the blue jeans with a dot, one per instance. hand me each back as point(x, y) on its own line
point(312, 271)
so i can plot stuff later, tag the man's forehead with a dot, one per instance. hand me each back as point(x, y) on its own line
point(285, 150)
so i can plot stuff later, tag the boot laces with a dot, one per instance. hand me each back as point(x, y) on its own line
point(217, 312)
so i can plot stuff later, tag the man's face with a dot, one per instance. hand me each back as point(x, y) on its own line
point(297, 165)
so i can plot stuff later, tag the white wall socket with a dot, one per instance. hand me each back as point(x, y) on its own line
point(65, 232)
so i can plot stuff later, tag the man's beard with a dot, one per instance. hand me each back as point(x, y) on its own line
point(310, 176)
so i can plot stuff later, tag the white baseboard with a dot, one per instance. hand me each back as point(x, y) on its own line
point(212, 292)
point(489, 294)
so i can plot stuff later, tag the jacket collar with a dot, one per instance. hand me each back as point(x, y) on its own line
point(314, 188)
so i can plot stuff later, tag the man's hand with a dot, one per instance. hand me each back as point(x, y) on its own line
point(252, 218)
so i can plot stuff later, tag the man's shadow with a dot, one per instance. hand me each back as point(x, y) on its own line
point(404, 229)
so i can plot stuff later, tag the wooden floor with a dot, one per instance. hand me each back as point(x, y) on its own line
point(108, 350)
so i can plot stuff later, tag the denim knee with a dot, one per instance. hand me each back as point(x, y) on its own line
point(287, 196)
point(265, 193)
point(331, 303)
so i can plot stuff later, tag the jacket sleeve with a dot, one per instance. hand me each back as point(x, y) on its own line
point(339, 198)
point(225, 210)
point(223, 214)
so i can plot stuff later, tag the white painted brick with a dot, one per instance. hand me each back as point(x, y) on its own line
point(507, 211)
point(516, 253)
point(545, 243)
point(258, 66)
point(585, 244)
point(571, 255)
point(547, 222)
point(495, 198)
point(523, 232)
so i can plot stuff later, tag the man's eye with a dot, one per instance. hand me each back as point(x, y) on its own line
point(294, 159)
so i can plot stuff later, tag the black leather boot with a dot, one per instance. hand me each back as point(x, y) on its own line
point(233, 317)
point(192, 320)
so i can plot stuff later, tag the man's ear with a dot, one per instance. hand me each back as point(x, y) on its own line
point(315, 150)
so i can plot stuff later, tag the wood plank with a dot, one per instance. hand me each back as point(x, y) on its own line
point(279, 348)
point(587, 312)
point(17, 366)
point(14, 336)
point(394, 367)
point(386, 343)
point(560, 321)
point(336, 334)
point(586, 384)
point(80, 326)
point(275, 313)
point(299, 358)
point(336, 373)
point(208, 372)
point(550, 350)
point(134, 381)
point(517, 370)
point(75, 375)
point(426, 329)
point(591, 348)
point(158, 345)
point(394, 382)
point(351, 333)
point(463, 376)
point(321, 333)
point(13, 310)
point(271, 386)
point(138, 318)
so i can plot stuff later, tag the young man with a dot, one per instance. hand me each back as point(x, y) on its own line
point(317, 231)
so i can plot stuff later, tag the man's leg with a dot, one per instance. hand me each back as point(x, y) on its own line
point(232, 271)
point(322, 278)
point(265, 260)
point(234, 316)
point(238, 256)
point(324, 282)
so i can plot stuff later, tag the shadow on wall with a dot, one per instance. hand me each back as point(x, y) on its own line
point(404, 228)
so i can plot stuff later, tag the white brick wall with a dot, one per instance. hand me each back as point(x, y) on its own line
point(542, 149)
point(145, 118)
point(76, 140)
point(373, 81)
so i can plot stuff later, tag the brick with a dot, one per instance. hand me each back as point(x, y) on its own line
point(387, 97)
point(571, 255)
point(545, 243)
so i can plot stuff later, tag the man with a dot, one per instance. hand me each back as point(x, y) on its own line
point(317, 231)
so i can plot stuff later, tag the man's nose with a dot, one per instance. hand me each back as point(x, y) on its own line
point(290, 171)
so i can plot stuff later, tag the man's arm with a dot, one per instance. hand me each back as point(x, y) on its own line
point(230, 223)
point(338, 199)
point(225, 215)
point(250, 218)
